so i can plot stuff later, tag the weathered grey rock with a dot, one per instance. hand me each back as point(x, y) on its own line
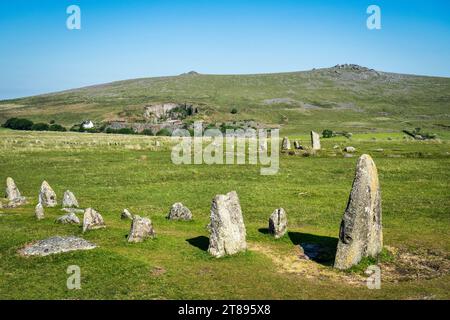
point(15, 199)
point(56, 245)
point(227, 229)
point(126, 215)
point(12, 192)
point(47, 196)
point(141, 229)
point(348, 155)
point(179, 212)
point(92, 220)
point(39, 211)
point(278, 223)
point(286, 144)
point(349, 149)
point(69, 200)
point(315, 140)
point(72, 210)
point(361, 228)
point(70, 218)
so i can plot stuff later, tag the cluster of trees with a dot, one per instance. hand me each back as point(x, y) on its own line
point(327, 133)
point(26, 124)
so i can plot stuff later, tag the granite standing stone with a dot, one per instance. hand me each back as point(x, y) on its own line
point(39, 211)
point(278, 223)
point(141, 229)
point(227, 229)
point(179, 212)
point(315, 141)
point(286, 144)
point(92, 220)
point(69, 200)
point(47, 196)
point(361, 228)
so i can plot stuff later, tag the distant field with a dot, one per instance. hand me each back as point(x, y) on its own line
point(113, 172)
point(356, 101)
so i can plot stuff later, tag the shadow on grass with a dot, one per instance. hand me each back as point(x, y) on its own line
point(200, 242)
point(321, 249)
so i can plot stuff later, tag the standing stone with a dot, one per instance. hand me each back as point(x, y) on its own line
point(315, 140)
point(13, 194)
point(227, 229)
point(141, 228)
point(350, 149)
point(47, 196)
point(179, 212)
point(70, 218)
point(39, 211)
point(278, 223)
point(286, 144)
point(361, 229)
point(69, 200)
point(92, 220)
point(126, 215)
point(297, 145)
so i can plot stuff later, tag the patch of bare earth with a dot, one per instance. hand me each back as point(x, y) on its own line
point(422, 264)
point(296, 263)
point(405, 265)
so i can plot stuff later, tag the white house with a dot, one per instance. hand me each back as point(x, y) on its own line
point(87, 124)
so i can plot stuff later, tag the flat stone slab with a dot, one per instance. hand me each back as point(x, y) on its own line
point(56, 245)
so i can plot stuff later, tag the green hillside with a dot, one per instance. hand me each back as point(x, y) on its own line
point(353, 98)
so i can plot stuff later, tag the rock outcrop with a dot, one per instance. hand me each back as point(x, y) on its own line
point(56, 245)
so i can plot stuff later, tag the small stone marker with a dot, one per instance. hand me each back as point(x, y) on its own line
point(141, 229)
point(39, 211)
point(315, 140)
point(350, 149)
point(56, 245)
point(70, 218)
point(278, 223)
point(69, 200)
point(47, 196)
point(126, 214)
point(297, 145)
point(92, 220)
point(179, 212)
point(286, 144)
point(227, 229)
point(361, 233)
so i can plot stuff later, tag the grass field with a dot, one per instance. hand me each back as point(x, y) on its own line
point(113, 172)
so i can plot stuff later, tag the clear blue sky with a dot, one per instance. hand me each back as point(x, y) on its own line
point(128, 39)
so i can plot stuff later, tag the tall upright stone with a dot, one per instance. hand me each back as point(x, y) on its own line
point(13, 195)
point(12, 192)
point(39, 211)
point(47, 196)
point(69, 200)
point(278, 223)
point(361, 232)
point(92, 220)
point(315, 141)
point(286, 144)
point(227, 229)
